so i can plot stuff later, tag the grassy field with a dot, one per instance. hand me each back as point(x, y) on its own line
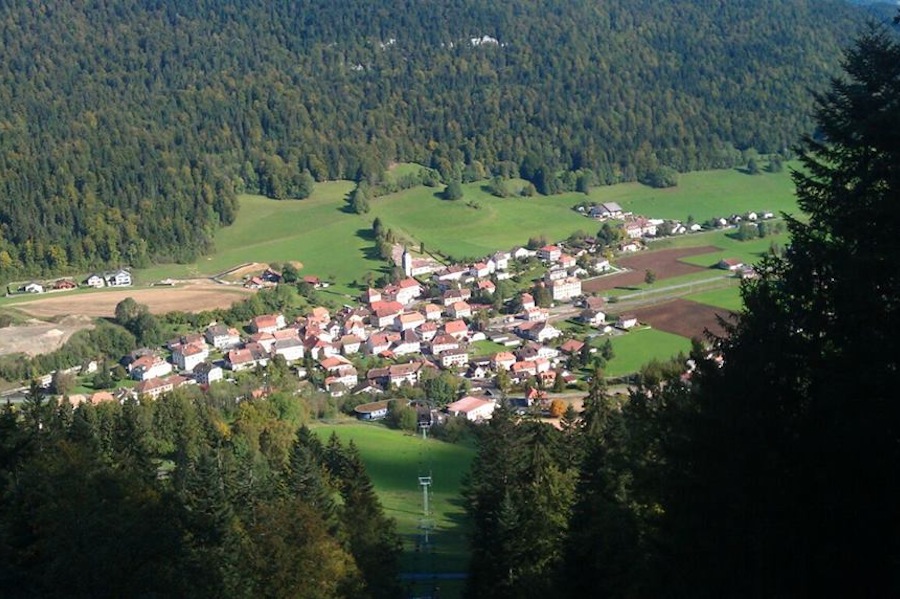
point(394, 460)
point(318, 232)
point(331, 242)
point(636, 348)
point(728, 298)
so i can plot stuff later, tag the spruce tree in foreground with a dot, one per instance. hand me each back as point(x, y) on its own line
point(780, 469)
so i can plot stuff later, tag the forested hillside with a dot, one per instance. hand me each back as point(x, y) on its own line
point(126, 128)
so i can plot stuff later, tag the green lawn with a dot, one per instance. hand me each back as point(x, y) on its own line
point(728, 298)
point(395, 460)
point(636, 348)
point(486, 348)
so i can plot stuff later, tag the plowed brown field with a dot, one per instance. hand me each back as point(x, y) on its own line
point(683, 317)
point(665, 263)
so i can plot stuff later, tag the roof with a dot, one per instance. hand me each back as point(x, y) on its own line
point(467, 404)
point(571, 346)
point(368, 408)
point(455, 326)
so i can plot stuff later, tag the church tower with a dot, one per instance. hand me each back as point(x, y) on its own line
point(407, 262)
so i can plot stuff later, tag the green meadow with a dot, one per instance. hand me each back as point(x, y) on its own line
point(333, 243)
point(394, 461)
point(637, 347)
point(728, 298)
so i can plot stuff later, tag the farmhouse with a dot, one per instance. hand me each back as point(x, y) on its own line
point(95, 280)
point(460, 310)
point(606, 210)
point(592, 317)
point(119, 278)
point(148, 367)
point(291, 349)
point(503, 360)
point(626, 321)
point(730, 264)
point(33, 287)
point(472, 408)
point(451, 296)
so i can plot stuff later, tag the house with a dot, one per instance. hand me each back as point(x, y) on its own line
point(149, 366)
point(626, 321)
point(454, 272)
point(487, 287)
point(409, 343)
point(378, 343)
point(536, 314)
point(591, 317)
point(443, 343)
point(404, 373)
point(572, 346)
point(565, 289)
point(556, 273)
point(501, 260)
point(567, 261)
point(408, 321)
point(433, 312)
point(366, 387)
point(95, 280)
point(189, 355)
point(601, 265)
point(119, 278)
point(33, 287)
point(521, 253)
point(379, 376)
point(460, 310)
point(453, 358)
point(372, 411)
point(523, 369)
point(638, 227)
point(319, 315)
point(222, 337)
point(267, 323)
point(527, 301)
point(290, 348)
point(549, 253)
point(154, 387)
point(503, 360)
point(606, 210)
point(456, 328)
point(428, 331)
point(350, 344)
point(452, 296)
point(206, 373)
point(265, 340)
point(540, 332)
point(371, 296)
point(403, 292)
point(730, 264)
point(384, 313)
point(240, 359)
point(633, 245)
point(480, 270)
point(472, 408)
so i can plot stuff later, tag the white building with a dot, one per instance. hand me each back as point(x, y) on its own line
point(472, 408)
point(565, 289)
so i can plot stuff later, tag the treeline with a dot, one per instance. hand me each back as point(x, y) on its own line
point(184, 497)
point(765, 467)
point(127, 129)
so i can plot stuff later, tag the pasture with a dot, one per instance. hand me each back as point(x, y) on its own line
point(728, 298)
point(637, 347)
point(394, 461)
point(333, 243)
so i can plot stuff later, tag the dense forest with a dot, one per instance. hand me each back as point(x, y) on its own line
point(186, 497)
point(769, 469)
point(127, 128)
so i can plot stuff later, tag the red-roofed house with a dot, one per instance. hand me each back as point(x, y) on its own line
point(189, 355)
point(155, 387)
point(550, 253)
point(460, 310)
point(457, 328)
point(409, 321)
point(433, 312)
point(267, 323)
point(503, 360)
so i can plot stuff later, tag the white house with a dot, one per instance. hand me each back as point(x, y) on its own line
point(626, 321)
point(188, 356)
point(119, 278)
point(222, 337)
point(291, 349)
point(206, 373)
point(95, 280)
point(565, 289)
point(149, 367)
point(34, 288)
point(472, 408)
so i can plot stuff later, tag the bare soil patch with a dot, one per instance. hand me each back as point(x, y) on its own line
point(684, 317)
point(195, 296)
point(39, 337)
point(665, 263)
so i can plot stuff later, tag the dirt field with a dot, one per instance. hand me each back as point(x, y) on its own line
point(665, 263)
point(191, 297)
point(39, 337)
point(683, 317)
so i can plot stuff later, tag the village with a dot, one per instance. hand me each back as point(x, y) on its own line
point(432, 320)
